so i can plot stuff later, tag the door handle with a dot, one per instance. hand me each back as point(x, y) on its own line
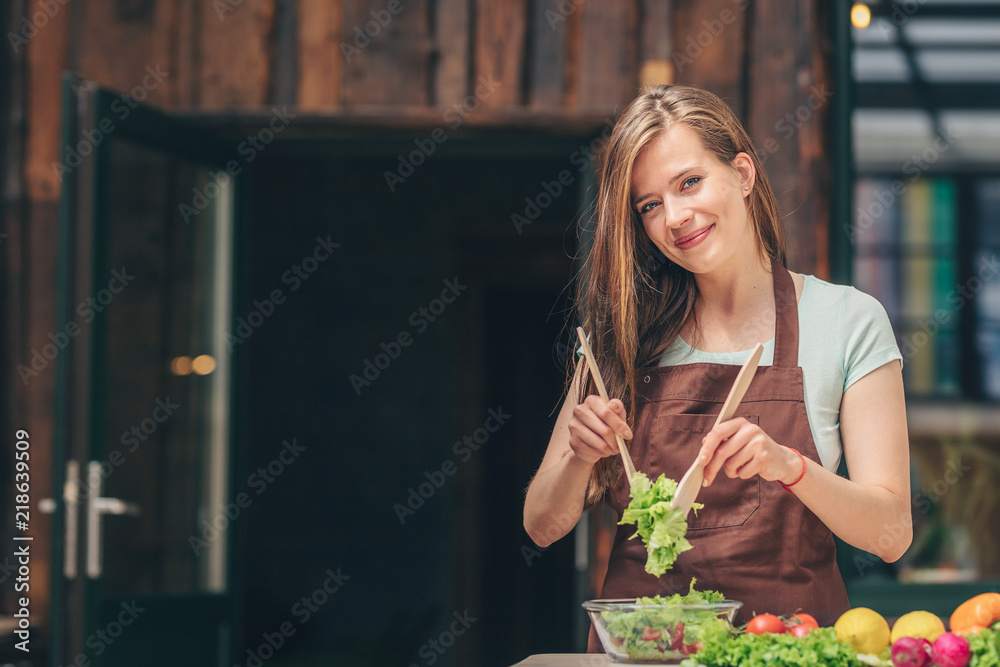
point(96, 506)
point(71, 501)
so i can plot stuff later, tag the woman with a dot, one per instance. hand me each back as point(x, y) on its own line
point(686, 274)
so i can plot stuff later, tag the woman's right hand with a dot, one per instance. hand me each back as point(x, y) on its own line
point(584, 433)
point(593, 426)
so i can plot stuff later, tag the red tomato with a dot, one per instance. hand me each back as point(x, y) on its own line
point(801, 625)
point(765, 623)
point(649, 635)
point(800, 630)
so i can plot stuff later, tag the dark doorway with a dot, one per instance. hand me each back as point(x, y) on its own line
point(420, 369)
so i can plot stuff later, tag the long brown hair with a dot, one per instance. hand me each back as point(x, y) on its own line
point(632, 301)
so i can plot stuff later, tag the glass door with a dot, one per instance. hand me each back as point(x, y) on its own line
point(144, 439)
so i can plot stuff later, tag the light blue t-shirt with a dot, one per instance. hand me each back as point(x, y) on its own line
point(844, 334)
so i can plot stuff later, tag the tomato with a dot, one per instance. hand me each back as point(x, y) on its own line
point(649, 634)
point(691, 649)
point(800, 630)
point(677, 638)
point(765, 623)
point(801, 625)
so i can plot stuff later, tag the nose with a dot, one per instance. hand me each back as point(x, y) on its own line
point(675, 212)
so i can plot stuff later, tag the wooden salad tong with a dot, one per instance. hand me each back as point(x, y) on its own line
point(694, 478)
point(626, 459)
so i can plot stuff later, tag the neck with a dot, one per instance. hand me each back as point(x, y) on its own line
point(735, 291)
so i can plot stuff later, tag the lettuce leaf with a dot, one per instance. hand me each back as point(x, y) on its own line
point(676, 630)
point(985, 647)
point(819, 647)
point(662, 529)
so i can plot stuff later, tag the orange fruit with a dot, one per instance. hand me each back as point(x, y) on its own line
point(975, 614)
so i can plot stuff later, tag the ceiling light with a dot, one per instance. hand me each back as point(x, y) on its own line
point(861, 15)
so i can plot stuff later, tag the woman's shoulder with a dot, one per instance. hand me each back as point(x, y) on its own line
point(826, 293)
point(843, 318)
point(823, 300)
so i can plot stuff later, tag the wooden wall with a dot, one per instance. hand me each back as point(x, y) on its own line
point(562, 59)
point(356, 58)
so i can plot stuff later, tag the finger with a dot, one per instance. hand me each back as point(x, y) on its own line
point(723, 453)
point(612, 414)
point(719, 459)
point(594, 429)
point(717, 436)
point(740, 464)
point(588, 445)
point(621, 424)
point(590, 428)
point(589, 416)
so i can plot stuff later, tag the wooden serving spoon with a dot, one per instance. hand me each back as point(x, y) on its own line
point(694, 478)
point(626, 459)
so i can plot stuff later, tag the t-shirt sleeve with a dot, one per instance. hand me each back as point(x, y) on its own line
point(579, 348)
point(865, 336)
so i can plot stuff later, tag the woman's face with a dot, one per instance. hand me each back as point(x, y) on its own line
point(691, 204)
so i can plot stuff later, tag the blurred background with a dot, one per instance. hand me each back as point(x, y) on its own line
point(286, 287)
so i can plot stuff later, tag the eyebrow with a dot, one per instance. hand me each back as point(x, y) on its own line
point(671, 182)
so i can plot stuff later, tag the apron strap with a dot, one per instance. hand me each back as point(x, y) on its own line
point(786, 321)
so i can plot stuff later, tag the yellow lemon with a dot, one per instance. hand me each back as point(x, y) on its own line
point(917, 624)
point(864, 629)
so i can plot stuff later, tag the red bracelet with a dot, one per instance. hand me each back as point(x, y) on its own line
point(788, 487)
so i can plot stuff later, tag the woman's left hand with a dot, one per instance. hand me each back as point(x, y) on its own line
point(740, 448)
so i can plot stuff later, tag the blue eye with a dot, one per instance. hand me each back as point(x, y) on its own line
point(647, 208)
point(691, 182)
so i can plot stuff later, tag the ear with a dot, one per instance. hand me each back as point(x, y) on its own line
point(744, 166)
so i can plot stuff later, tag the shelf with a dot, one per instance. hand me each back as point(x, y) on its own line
point(961, 420)
point(893, 599)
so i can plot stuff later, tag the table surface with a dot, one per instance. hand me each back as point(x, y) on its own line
point(567, 660)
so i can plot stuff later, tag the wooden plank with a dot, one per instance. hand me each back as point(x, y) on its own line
point(284, 54)
point(609, 70)
point(185, 27)
point(14, 296)
point(451, 36)
point(654, 42)
point(344, 123)
point(37, 398)
point(319, 52)
point(500, 50)
point(708, 46)
point(47, 55)
point(548, 53)
point(573, 50)
point(392, 62)
point(235, 53)
point(16, 300)
point(127, 49)
point(789, 81)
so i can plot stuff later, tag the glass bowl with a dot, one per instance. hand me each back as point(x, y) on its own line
point(647, 633)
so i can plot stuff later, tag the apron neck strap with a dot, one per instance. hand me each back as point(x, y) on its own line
point(786, 321)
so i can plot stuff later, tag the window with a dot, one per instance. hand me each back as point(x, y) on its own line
point(926, 244)
point(928, 248)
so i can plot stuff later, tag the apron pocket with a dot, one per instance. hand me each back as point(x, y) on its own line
point(676, 440)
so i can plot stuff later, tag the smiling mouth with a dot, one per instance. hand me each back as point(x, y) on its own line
point(692, 237)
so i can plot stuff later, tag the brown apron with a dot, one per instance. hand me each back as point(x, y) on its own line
point(753, 541)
